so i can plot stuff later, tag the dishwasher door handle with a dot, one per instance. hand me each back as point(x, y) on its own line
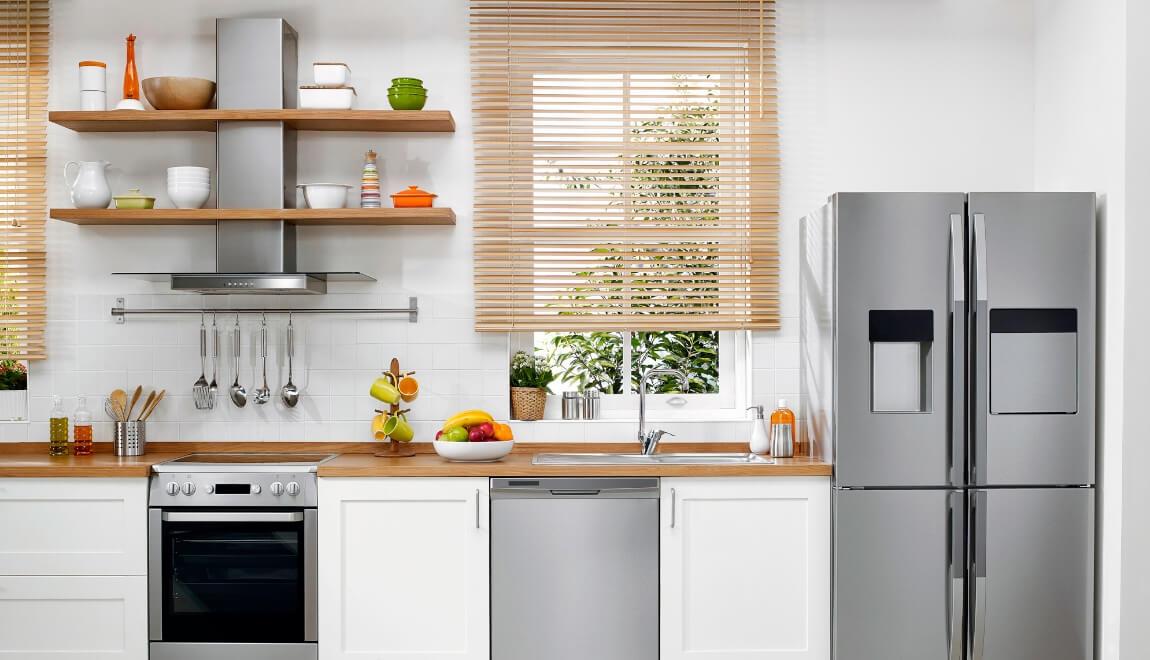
point(575, 492)
point(672, 508)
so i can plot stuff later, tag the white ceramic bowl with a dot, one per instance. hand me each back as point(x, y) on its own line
point(324, 195)
point(187, 196)
point(189, 169)
point(473, 451)
point(189, 182)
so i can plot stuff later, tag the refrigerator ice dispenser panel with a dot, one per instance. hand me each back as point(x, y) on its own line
point(1033, 361)
point(900, 360)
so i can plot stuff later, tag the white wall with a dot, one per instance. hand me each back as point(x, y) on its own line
point(883, 95)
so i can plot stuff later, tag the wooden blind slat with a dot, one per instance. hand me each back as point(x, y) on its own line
point(24, 39)
point(627, 165)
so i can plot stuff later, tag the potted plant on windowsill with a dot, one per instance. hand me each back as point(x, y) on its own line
point(530, 376)
point(13, 391)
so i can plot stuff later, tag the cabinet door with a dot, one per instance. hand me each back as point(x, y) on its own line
point(73, 526)
point(745, 569)
point(73, 618)
point(404, 569)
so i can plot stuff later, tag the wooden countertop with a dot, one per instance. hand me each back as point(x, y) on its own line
point(518, 464)
point(357, 460)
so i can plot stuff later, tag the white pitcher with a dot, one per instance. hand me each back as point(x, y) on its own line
point(89, 188)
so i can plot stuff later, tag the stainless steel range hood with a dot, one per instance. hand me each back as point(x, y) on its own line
point(256, 65)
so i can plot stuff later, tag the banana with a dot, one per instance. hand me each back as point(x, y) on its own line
point(467, 418)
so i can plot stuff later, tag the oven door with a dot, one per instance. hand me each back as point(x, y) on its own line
point(232, 576)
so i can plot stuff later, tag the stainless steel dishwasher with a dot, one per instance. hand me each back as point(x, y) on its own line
point(575, 569)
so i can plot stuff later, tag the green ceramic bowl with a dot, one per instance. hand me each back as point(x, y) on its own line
point(415, 82)
point(406, 100)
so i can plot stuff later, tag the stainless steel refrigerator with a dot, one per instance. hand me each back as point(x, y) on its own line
point(949, 369)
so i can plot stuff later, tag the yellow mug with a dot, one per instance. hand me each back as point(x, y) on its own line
point(408, 388)
point(383, 389)
point(397, 428)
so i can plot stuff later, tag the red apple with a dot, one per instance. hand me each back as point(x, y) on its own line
point(474, 434)
point(487, 430)
point(438, 434)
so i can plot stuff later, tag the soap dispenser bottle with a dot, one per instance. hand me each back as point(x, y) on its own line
point(760, 439)
point(782, 431)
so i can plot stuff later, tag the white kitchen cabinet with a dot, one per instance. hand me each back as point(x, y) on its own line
point(745, 568)
point(404, 570)
point(69, 526)
point(73, 617)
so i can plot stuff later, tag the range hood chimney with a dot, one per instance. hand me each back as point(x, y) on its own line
point(256, 68)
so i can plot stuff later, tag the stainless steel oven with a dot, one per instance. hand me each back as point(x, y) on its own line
point(232, 558)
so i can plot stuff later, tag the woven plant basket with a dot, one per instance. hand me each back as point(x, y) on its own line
point(527, 403)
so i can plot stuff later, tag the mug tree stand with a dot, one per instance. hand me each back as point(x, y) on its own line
point(394, 448)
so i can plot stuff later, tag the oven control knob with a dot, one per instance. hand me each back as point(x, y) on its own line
point(209, 489)
point(172, 488)
point(292, 488)
point(256, 489)
point(276, 488)
point(189, 488)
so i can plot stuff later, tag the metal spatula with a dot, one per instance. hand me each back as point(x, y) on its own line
point(201, 395)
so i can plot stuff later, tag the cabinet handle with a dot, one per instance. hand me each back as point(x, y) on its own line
point(672, 508)
point(476, 508)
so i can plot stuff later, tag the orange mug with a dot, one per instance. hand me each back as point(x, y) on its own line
point(408, 388)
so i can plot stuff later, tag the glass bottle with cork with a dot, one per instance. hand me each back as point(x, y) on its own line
point(57, 429)
point(82, 429)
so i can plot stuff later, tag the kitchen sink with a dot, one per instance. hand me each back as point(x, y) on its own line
point(652, 459)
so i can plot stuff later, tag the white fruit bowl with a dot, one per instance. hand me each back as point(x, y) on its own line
point(476, 452)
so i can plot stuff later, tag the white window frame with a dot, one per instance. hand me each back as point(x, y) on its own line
point(729, 403)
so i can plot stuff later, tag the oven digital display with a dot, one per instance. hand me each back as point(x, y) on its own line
point(233, 489)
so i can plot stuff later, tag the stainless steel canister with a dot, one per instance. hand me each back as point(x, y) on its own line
point(591, 404)
point(572, 405)
point(129, 439)
point(782, 441)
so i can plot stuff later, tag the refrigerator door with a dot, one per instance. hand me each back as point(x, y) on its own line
point(1032, 574)
point(899, 280)
point(1033, 277)
point(898, 574)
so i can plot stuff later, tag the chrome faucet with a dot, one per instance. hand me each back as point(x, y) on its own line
point(648, 441)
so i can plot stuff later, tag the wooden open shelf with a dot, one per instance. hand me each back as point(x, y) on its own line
point(139, 121)
point(193, 217)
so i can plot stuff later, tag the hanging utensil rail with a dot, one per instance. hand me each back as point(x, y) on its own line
point(119, 312)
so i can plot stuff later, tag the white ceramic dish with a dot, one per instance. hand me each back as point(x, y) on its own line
point(473, 452)
point(330, 74)
point(188, 196)
point(189, 169)
point(324, 195)
point(326, 98)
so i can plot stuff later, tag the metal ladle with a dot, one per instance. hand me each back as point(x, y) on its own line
point(263, 394)
point(289, 393)
point(238, 394)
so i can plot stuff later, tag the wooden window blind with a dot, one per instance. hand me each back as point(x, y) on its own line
point(23, 137)
point(627, 164)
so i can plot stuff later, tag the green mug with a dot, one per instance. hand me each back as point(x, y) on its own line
point(397, 428)
point(384, 390)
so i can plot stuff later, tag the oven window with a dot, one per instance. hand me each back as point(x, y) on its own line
point(233, 582)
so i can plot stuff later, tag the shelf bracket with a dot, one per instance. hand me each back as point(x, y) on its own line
point(120, 312)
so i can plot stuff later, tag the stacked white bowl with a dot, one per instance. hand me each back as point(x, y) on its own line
point(189, 187)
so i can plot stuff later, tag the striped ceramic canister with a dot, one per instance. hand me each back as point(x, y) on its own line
point(369, 186)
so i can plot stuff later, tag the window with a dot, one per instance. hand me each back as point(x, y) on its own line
point(612, 362)
point(23, 132)
point(627, 166)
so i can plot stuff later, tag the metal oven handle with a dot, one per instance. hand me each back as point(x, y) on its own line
point(232, 516)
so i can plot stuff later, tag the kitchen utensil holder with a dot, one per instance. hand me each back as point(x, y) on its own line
point(394, 448)
point(120, 312)
point(129, 438)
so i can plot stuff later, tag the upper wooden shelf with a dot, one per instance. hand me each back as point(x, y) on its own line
point(193, 217)
point(142, 121)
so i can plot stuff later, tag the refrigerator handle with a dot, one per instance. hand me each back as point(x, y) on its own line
point(955, 583)
point(957, 348)
point(980, 345)
point(978, 549)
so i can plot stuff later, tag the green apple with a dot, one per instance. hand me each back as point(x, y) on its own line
point(455, 434)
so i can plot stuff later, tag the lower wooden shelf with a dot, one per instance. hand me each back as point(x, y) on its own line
point(319, 217)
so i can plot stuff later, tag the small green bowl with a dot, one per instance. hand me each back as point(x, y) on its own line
point(415, 82)
point(405, 101)
point(412, 91)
